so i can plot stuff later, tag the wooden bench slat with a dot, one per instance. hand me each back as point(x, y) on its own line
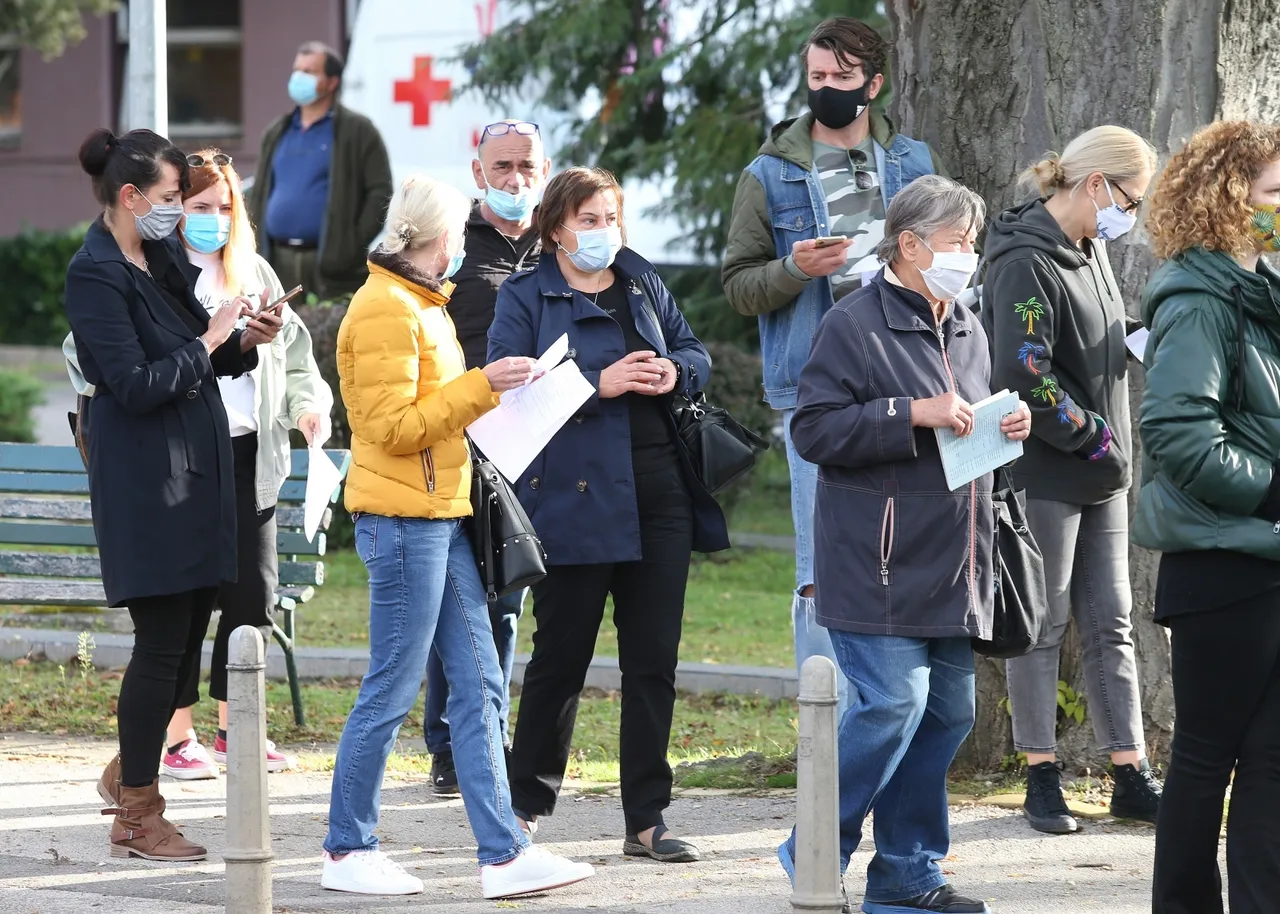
point(51, 564)
point(43, 483)
point(298, 594)
point(291, 516)
point(46, 534)
point(45, 592)
point(67, 509)
point(311, 573)
point(40, 458)
point(298, 462)
point(292, 543)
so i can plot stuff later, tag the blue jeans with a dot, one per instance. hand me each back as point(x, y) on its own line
point(810, 637)
point(503, 616)
point(912, 708)
point(424, 588)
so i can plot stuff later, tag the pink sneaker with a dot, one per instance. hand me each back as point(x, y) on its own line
point(276, 761)
point(190, 763)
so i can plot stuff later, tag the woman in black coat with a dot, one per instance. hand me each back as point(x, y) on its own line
point(159, 455)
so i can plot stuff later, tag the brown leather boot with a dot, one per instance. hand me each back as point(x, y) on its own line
point(109, 783)
point(141, 830)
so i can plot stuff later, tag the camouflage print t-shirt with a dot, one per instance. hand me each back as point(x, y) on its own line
point(854, 203)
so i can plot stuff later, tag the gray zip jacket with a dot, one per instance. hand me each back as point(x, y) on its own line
point(287, 386)
point(895, 551)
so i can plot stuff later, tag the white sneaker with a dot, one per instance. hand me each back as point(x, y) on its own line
point(368, 873)
point(535, 870)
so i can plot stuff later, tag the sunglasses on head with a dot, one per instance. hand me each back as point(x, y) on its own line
point(221, 159)
point(502, 128)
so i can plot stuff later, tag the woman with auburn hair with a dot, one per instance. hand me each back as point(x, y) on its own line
point(284, 391)
point(1210, 501)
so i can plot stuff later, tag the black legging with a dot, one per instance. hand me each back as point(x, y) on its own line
point(1226, 690)
point(168, 633)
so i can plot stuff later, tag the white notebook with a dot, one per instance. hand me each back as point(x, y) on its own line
point(985, 448)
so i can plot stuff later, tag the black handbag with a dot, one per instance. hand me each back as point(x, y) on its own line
point(508, 552)
point(1021, 619)
point(719, 447)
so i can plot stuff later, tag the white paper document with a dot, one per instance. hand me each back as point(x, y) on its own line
point(1137, 342)
point(550, 359)
point(323, 479)
point(527, 418)
point(983, 449)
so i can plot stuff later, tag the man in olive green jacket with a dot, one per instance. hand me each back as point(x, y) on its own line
point(320, 196)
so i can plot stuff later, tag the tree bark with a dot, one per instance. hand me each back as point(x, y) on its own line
point(994, 84)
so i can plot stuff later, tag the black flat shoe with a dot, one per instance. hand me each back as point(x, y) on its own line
point(664, 850)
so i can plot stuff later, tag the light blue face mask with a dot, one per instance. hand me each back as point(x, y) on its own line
point(206, 232)
point(303, 87)
point(455, 263)
point(509, 206)
point(596, 248)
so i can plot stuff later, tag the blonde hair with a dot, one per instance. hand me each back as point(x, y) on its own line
point(1117, 152)
point(1202, 198)
point(421, 211)
point(238, 260)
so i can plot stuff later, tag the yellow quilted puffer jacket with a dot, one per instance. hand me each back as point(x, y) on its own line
point(409, 399)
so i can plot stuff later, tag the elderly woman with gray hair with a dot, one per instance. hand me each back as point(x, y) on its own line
point(904, 564)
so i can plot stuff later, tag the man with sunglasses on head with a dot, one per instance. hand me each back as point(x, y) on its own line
point(510, 169)
point(323, 183)
point(831, 172)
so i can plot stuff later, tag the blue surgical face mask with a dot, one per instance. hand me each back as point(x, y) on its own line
point(509, 206)
point(455, 263)
point(596, 248)
point(207, 232)
point(303, 87)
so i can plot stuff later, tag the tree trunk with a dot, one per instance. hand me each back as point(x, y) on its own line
point(994, 84)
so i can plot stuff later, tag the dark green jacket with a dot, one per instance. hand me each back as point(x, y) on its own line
point(1210, 416)
point(359, 191)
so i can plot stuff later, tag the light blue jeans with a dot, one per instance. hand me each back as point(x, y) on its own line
point(912, 708)
point(504, 615)
point(424, 589)
point(810, 637)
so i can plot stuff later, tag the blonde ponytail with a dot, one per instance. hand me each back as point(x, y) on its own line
point(421, 211)
point(1116, 152)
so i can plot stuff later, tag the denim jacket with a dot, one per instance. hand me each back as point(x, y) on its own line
point(779, 202)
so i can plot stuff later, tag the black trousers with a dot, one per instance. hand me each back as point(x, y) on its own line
point(568, 605)
point(168, 633)
point(1226, 690)
point(248, 599)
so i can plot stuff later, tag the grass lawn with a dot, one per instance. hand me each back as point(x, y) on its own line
point(737, 610)
point(46, 698)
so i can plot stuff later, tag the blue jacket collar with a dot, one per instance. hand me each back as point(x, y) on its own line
point(905, 309)
point(628, 266)
point(101, 245)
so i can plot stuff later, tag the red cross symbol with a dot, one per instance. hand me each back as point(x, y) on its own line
point(422, 90)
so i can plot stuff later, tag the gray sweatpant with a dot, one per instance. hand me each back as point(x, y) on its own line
point(1086, 560)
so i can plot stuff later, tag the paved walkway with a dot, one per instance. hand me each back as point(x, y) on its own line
point(53, 851)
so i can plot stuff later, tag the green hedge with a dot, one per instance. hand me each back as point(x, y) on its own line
point(34, 266)
point(19, 395)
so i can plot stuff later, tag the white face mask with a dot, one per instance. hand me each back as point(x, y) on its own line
point(949, 273)
point(1112, 220)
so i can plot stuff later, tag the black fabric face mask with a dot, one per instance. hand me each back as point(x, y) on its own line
point(838, 108)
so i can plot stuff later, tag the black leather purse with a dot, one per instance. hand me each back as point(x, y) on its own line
point(719, 447)
point(1021, 619)
point(508, 552)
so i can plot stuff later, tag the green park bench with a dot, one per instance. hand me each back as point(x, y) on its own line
point(44, 503)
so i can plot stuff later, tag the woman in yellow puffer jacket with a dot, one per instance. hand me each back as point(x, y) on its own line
point(409, 399)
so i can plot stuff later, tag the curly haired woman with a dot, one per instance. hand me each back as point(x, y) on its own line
point(1210, 501)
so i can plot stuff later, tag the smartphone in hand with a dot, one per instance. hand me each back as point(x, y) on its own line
point(278, 305)
point(827, 240)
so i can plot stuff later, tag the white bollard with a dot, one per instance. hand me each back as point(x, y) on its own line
point(248, 854)
point(817, 862)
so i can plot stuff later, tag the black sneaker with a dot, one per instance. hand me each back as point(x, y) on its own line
point(1136, 794)
point(1045, 807)
point(944, 900)
point(444, 777)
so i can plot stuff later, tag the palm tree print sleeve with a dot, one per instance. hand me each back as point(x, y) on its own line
point(1023, 319)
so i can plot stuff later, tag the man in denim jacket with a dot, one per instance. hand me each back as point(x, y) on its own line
point(831, 172)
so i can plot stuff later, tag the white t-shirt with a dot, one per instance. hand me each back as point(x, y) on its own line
point(237, 393)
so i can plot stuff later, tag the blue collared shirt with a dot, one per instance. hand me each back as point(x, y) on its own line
point(300, 181)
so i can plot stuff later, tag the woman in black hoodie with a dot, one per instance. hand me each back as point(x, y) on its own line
point(1057, 324)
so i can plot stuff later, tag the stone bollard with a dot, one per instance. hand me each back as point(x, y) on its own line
point(248, 854)
point(817, 862)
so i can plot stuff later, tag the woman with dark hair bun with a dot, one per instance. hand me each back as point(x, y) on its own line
point(158, 452)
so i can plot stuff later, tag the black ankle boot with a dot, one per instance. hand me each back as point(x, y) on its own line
point(1045, 807)
point(1136, 794)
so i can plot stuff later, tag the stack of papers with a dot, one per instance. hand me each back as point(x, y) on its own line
point(528, 417)
point(323, 479)
point(985, 448)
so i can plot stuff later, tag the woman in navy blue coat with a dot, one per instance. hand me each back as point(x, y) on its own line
point(613, 498)
point(159, 454)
